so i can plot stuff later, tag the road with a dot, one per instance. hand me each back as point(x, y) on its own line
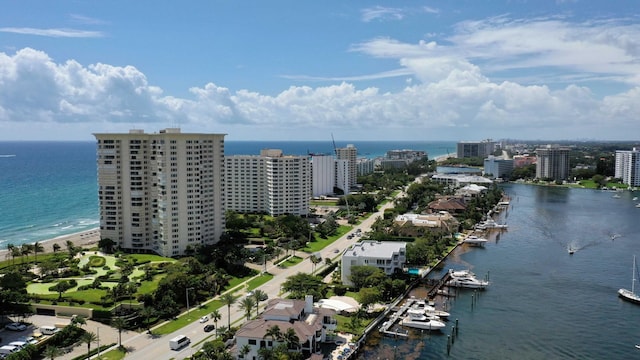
point(145, 346)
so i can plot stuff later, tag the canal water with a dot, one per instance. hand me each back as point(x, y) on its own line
point(543, 303)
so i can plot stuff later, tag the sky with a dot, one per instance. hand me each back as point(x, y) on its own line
point(455, 70)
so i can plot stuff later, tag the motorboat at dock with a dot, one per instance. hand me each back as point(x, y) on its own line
point(490, 224)
point(465, 279)
point(475, 241)
point(415, 319)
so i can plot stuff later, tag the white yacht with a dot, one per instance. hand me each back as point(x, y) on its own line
point(474, 240)
point(415, 319)
point(490, 224)
point(631, 295)
point(429, 310)
point(465, 279)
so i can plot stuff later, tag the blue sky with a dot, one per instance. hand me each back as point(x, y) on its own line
point(304, 70)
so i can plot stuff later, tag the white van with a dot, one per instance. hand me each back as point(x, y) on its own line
point(19, 344)
point(8, 349)
point(48, 330)
point(179, 342)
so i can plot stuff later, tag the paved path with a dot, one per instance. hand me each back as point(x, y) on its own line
point(145, 346)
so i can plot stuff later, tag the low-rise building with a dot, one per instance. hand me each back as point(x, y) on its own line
point(458, 180)
point(387, 256)
point(310, 325)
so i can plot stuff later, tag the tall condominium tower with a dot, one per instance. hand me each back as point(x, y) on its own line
point(349, 153)
point(552, 162)
point(628, 166)
point(161, 192)
point(467, 149)
point(271, 182)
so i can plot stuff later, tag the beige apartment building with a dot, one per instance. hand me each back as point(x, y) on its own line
point(161, 192)
point(350, 154)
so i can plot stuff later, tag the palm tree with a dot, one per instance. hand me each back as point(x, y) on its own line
point(244, 350)
point(52, 352)
point(88, 337)
point(26, 249)
point(228, 299)
point(15, 252)
point(10, 248)
point(56, 247)
point(291, 339)
point(273, 332)
point(119, 324)
point(315, 260)
point(246, 304)
point(215, 316)
point(37, 247)
point(78, 320)
point(147, 312)
point(257, 296)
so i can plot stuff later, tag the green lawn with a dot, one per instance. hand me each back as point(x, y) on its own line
point(194, 314)
point(292, 260)
point(320, 243)
point(260, 280)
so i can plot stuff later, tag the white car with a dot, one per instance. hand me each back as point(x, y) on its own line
point(204, 319)
point(16, 327)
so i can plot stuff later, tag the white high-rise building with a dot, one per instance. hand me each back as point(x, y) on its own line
point(323, 169)
point(161, 192)
point(271, 182)
point(349, 153)
point(628, 166)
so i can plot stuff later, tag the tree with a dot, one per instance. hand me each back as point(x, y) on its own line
point(215, 316)
point(61, 287)
point(37, 248)
point(366, 276)
point(291, 339)
point(119, 324)
point(56, 247)
point(259, 295)
point(246, 304)
point(315, 260)
point(244, 350)
point(106, 245)
point(78, 320)
point(228, 299)
point(273, 332)
point(26, 249)
point(88, 337)
point(52, 352)
point(147, 312)
point(303, 284)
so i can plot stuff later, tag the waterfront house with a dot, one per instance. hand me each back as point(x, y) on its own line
point(388, 256)
point(310, 324)
point(450, 204)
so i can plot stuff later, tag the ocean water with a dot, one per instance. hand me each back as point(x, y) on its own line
point(542, 302)
point(49, 189)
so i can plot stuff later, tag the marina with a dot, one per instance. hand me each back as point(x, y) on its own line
point(535, 283)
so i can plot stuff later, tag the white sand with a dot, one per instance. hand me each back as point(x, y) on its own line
point(84, 239)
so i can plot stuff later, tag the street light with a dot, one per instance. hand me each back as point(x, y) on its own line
point(188, 299)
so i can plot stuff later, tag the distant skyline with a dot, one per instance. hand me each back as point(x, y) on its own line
point(307, 70)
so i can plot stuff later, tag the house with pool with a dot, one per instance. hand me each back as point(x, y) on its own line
point(388, 256)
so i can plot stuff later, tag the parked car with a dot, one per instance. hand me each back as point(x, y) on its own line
point(209, 328)
point(204, 319)
point(16, 327)
point(263, 296)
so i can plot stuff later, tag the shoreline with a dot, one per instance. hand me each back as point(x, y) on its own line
point(83, 239)
point(442, 158)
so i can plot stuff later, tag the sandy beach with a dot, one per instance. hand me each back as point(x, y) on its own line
point(85, 239)
point(442, 158)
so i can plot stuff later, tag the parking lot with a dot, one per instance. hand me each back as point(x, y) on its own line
point(107, 334)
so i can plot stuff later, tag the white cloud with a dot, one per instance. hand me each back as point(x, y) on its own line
point(450, 93)
point(382, 13)
point(70, 33)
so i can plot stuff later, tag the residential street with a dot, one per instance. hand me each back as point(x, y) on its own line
point(145, 346)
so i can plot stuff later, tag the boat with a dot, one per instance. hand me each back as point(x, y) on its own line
point(630, 295)
point(421, 321)
point(465, 279)
point(474, 240)
point(490, 224)
point(429, 310)
point(638, 205)
point(571, 250)
point(635, 198)
point(616, 196)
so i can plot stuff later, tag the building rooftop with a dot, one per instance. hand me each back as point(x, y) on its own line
point(375, 249)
